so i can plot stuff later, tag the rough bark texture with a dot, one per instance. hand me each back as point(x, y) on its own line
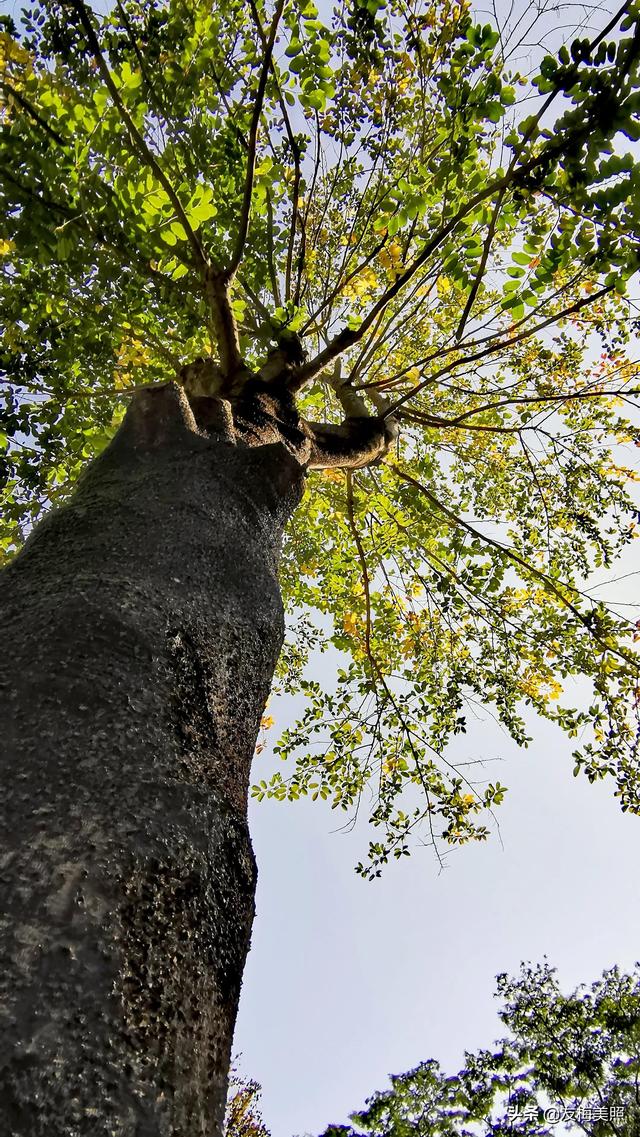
point(141, 627)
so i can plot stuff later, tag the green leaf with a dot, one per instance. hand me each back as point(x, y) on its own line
point(493, 111)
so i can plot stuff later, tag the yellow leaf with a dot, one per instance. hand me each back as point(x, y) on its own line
point(349, 623)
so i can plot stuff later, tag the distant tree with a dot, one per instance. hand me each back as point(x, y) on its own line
point(361, 254)
point(570, 1063)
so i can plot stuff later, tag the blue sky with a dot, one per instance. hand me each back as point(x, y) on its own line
point(349, 981)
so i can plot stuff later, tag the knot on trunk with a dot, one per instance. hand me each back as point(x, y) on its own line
point(156, 416)
point(201, 377)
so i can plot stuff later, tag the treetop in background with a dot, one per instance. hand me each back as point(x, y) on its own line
point(570, 1064)
point(394, 211)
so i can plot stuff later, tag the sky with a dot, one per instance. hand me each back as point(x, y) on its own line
point(348, 981)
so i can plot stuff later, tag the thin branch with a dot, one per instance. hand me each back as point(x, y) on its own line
point(130, 257)
point(139, 56)
point(512, 555)
point(295, 150)
point(350, 336)
point(482, 266)
point(35, 115)
point(228, 108)
point(552, 150)
point(392, 327)
point(255, 299)
point(336, 290)
point(294, 218)
point(471, 345)
point(610, 26)
point(437, 421)
point(137, 140)
point(566, 398)
point(103, 392)
point(373, 662)
point(245, 214)
point(493, 348)
point(273, 276)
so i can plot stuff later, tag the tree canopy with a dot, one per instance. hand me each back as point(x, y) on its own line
point(570, 1063)
point(437, 222)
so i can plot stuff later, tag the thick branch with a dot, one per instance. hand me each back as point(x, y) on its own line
point(351, 401)
point(356, 443)
point(224, 322)
point(354, 405)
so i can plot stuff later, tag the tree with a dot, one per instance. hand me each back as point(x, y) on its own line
point(237, 221)
point(570, 1061)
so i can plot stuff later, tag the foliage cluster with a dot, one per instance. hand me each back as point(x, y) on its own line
point(450, 233)
point(570, 1064)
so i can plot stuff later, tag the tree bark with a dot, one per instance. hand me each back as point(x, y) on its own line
point(142, 624)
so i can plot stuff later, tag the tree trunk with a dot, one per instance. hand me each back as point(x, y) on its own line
point(141, 626)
